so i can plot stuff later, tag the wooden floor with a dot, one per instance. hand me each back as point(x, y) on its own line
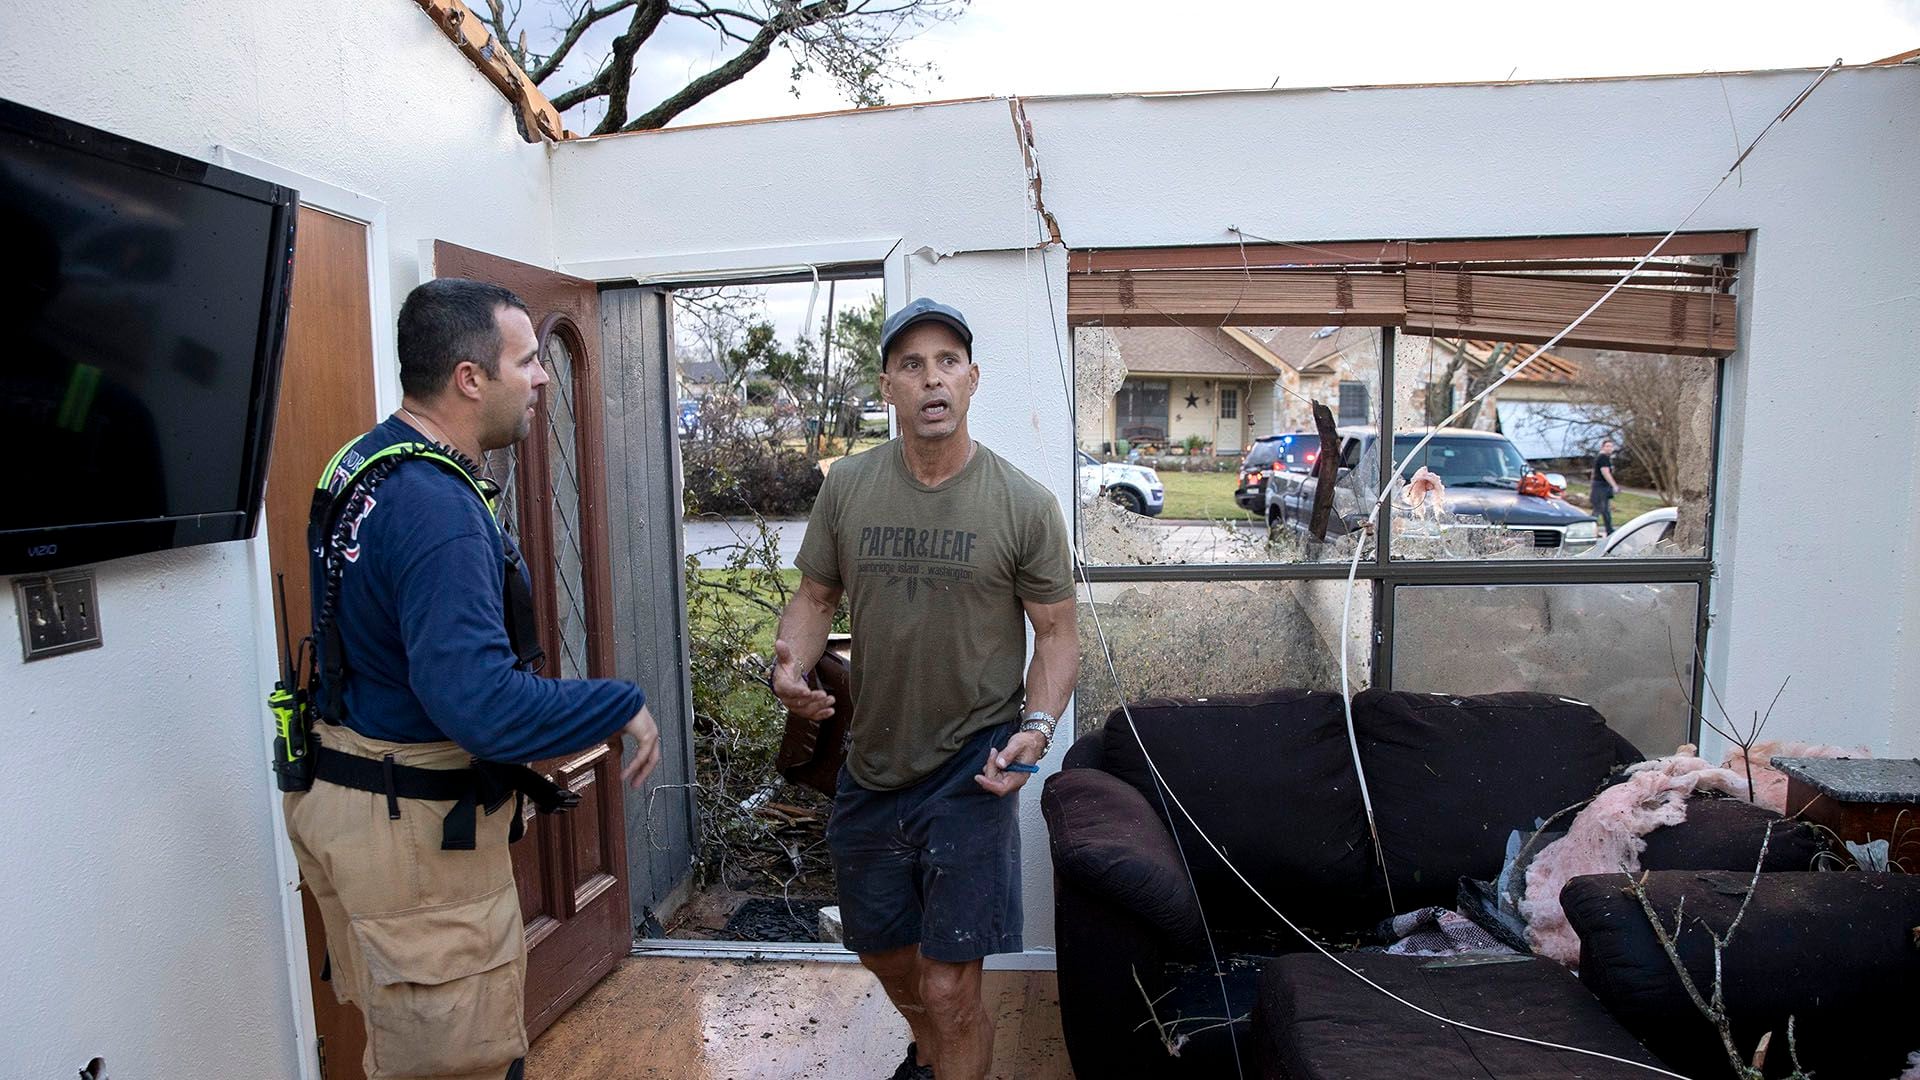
point(770, 1020)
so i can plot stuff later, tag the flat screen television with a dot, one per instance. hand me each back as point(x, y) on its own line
point(143, 295)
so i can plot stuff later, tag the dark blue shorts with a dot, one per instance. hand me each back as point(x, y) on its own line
point(936, 864)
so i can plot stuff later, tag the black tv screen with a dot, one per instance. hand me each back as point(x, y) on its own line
point(144, 296)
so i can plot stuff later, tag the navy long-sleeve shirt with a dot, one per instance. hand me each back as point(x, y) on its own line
point(424, 631)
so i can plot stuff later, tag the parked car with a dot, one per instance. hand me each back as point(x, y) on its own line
point(1271, 453)
point(1638, 538)
point(1132, 487)
point(1482, 471)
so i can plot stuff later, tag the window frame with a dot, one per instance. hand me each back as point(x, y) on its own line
point(1388, 574)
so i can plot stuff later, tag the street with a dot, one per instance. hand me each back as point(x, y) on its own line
point(1182, 541)
point(708, 537)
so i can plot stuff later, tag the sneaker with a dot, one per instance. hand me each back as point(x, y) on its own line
point(911, 1069)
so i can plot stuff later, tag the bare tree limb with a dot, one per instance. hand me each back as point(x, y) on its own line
point(619, 69)
point(499, 20)
point(1714, 1010)
point(583, 21)
point(855, 43)
point(737, 67)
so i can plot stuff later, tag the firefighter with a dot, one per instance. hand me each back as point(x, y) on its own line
point(409, 785)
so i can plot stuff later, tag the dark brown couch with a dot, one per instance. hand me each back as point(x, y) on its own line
point(1270, 778)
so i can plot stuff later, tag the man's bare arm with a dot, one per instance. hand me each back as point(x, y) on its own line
point(1050, 679)
point(798, 643)
point(1056, 656)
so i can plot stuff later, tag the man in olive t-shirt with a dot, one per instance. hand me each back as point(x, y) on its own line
point(946, 552)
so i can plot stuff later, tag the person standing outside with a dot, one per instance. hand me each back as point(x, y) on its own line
point(946, 553)
point(426, 687)
point(1604, 486)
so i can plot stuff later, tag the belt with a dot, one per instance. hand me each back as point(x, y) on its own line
point(485, 784)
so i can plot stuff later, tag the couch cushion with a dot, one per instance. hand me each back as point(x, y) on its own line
point(1452, 776)
point(1317, 1022)
point(1104, 836)
point(1724, 834)
point(1270, 779)
point(1834, 950)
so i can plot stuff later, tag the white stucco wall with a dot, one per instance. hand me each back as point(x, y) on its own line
point(1831, 291)
point(1831, 286)
point(140, 904)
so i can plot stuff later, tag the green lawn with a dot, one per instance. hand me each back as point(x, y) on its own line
point(1626, 504)
point(1207, 495)
point(737, 605)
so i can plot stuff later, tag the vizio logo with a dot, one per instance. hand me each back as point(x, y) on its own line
point(43, 551)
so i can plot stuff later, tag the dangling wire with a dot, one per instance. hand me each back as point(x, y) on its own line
point(1031, 156)
point(1166, 792)
point(1387, 482)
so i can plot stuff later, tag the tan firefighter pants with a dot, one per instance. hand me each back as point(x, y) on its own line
point(427, 942)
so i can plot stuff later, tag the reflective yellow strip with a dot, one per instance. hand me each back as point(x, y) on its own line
point(412, 450)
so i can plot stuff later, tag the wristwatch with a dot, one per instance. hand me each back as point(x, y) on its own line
point(1042, 722)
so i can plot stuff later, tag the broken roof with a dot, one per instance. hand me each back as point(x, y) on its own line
point(1549, 368)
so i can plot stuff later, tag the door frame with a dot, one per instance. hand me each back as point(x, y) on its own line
point(718, 267)
point(666, 273)
point(371, 214)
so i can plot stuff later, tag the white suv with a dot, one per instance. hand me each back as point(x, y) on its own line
point(1132, 487)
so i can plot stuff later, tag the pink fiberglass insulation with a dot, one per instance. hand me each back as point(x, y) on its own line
point(1608, 837)
point(1770, 784)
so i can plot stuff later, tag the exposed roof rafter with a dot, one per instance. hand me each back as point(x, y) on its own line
point(532, 112)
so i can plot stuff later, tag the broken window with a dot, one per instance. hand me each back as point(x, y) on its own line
point(1627, 649)
point(1176, 433)
point(1194, 639)
point(1481, 584)
point(1514, 474)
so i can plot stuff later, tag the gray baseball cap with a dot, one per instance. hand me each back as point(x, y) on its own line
point(920, 311)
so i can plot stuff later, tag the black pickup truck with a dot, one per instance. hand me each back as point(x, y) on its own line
point(1481, 470)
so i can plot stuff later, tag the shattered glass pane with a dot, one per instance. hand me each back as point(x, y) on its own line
point(1195, 639)
point(1625, 649)
point(1198, 444)
point(1512, 476)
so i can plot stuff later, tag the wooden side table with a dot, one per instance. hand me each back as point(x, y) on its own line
point(1859, 799)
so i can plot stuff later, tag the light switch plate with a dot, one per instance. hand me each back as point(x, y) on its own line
point(59, 613)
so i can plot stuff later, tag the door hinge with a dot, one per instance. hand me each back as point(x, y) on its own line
point(320, 1048)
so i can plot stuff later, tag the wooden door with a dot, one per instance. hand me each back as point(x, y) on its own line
point(326, 398)
point(571, 867)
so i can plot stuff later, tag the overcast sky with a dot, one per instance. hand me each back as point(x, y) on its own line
point(1095, 46)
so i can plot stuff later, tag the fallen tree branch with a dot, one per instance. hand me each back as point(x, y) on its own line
point(1715, 1009)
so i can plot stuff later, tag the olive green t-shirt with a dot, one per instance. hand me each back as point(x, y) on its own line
point(935, 577)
